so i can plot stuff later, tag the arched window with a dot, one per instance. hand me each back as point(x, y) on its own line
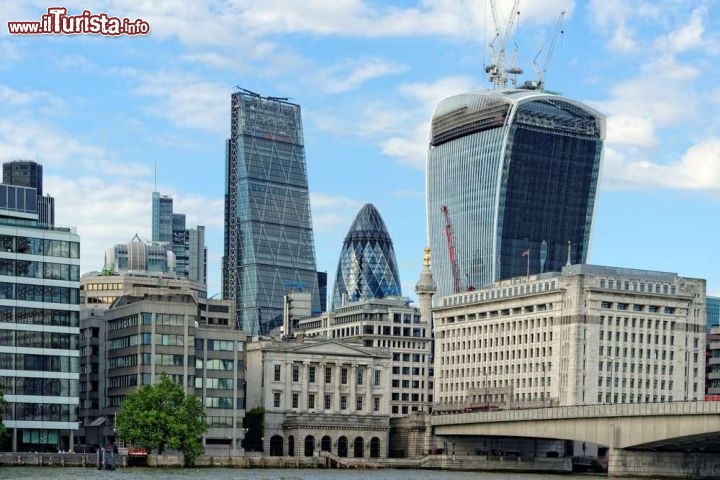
point(325, 444)
point(291, 446)
point(358, 447)
point(309, 446)
point(342, 447)
point(276, 446)
point(375, 447)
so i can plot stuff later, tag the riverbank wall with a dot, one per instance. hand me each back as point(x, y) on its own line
point(437, 462)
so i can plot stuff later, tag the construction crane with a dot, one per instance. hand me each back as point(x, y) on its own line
point(539, 82)
point(497, 74)
point(451, 249)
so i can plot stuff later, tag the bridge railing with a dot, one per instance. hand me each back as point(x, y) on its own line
point(580, 411)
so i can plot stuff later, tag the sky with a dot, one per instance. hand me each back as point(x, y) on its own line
point(100, 112)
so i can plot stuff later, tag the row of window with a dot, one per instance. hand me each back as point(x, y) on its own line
point(215, 383)
point(42, 412)
point(39, 316)
point(51, 387)
point(42, 363)
point(634, 286)
point(39, 246)
point(103, 286)
point(32, 269)
point(223, 402)
point(503, 327)
point(38, 293)
point(344, 375)
point(23, 338)
point(327, 401)
point(499, 293)
point(637, 307)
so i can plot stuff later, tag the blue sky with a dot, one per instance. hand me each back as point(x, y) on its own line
point(98, 112)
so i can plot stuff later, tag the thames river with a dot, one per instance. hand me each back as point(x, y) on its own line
point(69, 473)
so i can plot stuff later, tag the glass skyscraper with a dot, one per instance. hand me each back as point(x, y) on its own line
point(511, 183)
point(367, 268)
point(188, 244)
point(269, 248)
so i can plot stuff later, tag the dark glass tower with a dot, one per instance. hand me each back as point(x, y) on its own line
point(26, 173)
point(511, 179)
point(269, 248)
point(367, 267)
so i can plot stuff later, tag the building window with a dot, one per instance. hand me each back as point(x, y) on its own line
point(377, 378)
point(343, 402)
point(344, 376)
point(311, 375)
point(328, 401)
point(359, 403)
point(276, 399)
point(328, 374)
point(376, 404)
point(311, 401)
point(359, 376)
point(295, 400)
point(276, 377)
point(295, 373)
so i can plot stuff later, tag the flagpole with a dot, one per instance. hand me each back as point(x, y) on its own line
point(528, 263)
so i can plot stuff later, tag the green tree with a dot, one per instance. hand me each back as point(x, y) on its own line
point(254, 421)
point(160, 416)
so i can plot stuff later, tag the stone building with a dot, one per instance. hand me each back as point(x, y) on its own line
point(588, 335)
point(320, 395)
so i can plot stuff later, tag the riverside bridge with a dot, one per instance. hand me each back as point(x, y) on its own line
point(680, 439)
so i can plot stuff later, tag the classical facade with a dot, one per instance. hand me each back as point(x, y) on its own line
point(390, 323)
point(588, 335)
point(511, 179)
point(320, 395)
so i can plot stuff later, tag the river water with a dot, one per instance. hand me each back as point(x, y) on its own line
point(70, 473)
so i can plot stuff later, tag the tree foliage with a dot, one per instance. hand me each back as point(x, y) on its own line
point(254, 421)
point(160, 416)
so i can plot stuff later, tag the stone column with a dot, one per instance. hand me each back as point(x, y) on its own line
point(353, 388)
point(304, 385)
point(287, 404)
point(336, 384)
point(321, 385)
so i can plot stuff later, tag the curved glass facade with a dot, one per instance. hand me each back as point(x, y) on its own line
point(367, 267)
point(517, 171)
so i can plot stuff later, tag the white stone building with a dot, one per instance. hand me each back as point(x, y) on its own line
point(588, 335)
point(320, 395)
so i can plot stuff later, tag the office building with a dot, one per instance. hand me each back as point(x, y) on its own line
point(26, 173)
point(187, 244)
point(322, 290)
point(588, 335)
point(367, 267)
point(511, 184)
point(713, 312)
point(320, 395)
point(39, 314)
point(140, 256)
point(269, 248)
point(154, 330)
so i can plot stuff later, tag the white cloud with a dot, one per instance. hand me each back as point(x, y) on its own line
point(687, 36)
point(332, 213)
point(353, 74)
point(697, 169)
point(186, 101)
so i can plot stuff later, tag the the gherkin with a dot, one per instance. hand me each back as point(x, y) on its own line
point(367, 267)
